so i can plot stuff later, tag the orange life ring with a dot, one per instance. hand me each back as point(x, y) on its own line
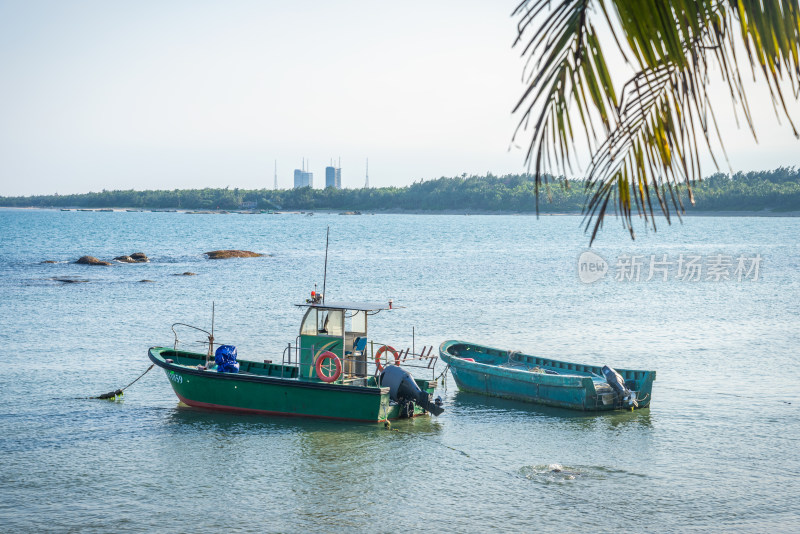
point(318, 367)
point(380, 353)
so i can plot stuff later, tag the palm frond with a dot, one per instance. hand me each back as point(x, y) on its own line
point(569, 70)
point(654, 134)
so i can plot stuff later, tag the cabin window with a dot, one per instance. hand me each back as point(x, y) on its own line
point(330, 322)
point(357, 322)
point(309, 326)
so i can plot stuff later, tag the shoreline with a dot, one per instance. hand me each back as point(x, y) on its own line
point(692, 213)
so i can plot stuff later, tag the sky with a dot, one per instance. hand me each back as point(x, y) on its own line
point(188, 94)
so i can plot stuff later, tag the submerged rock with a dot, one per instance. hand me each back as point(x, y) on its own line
point(91, 260)
point(49, 261)
point(146, 282)
point(136, 257)
point(70, 280)
point(187, 273)
point(224, 254)
point(550, 473)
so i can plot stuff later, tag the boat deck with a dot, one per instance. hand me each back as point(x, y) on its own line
point(600, 383)
point(499, 357)
point(196, 361)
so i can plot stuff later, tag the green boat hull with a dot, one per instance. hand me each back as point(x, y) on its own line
point(275, 389)
point(500, 373)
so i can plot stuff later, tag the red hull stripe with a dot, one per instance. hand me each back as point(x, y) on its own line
point(198, 404)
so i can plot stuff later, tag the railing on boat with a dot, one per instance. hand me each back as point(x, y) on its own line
point(425, 359)
point(209, 335)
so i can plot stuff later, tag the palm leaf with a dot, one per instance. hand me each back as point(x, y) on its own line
point(654, 132)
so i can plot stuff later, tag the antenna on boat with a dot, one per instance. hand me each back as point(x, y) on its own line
point(211, 337)
point(325, 275)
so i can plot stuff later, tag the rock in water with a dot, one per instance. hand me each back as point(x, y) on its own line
point(136, 257)
point(91, 260)
point(146, 281)
point(224, 254)
point(187, 273)
point(49, 261)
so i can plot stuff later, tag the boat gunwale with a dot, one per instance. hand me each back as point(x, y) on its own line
point(290, 382)
point(447, 356)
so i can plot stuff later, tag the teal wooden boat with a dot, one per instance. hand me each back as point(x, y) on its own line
point(514, 375)
point(332, 371)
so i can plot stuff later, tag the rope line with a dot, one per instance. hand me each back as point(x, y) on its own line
point(117, 392)
point(443, 374)
point(728, 394)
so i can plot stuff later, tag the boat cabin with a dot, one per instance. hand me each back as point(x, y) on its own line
point(340, 328)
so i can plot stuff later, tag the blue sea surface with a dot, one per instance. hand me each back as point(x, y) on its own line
point(716, 451)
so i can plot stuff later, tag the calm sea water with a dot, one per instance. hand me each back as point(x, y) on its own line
point(717, 450)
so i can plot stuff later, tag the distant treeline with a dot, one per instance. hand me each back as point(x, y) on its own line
point(777, 190)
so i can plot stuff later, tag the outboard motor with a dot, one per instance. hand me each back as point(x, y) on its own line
point(615, 380)
point(402, 388)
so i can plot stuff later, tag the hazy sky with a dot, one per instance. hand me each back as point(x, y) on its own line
point(176, 94)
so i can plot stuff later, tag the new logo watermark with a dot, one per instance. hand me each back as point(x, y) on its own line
point(663, 267)
point(591, 267)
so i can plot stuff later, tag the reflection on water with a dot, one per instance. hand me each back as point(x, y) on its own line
point(200, 419)
point(478, 405)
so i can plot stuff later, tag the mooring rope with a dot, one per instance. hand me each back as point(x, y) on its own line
point(443, 374)
point(118, 392)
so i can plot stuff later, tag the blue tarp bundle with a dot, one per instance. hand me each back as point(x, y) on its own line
point(225, 358)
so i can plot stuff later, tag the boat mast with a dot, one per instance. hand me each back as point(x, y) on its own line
point(325, 275)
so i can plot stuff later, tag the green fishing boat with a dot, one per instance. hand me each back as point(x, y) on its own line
point(514, 375)
point(331, 371)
